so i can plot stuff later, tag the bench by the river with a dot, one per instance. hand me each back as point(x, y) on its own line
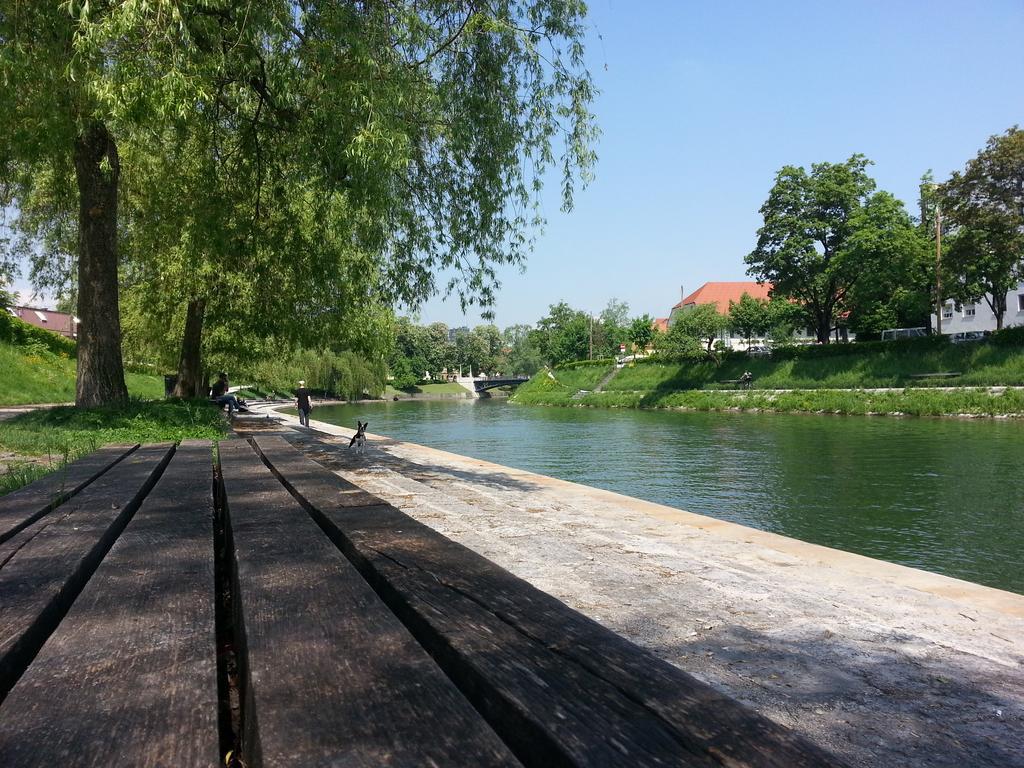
point(161, 605)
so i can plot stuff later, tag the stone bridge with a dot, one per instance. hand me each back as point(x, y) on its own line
point(480, 385)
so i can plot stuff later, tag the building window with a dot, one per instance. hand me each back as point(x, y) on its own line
point(1020, 302)
point(968, 310)
point(947, 311)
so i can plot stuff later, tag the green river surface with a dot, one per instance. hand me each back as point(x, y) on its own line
point(945, 495)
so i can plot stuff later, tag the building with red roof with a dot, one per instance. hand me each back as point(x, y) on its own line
point(720, 294)
point(58, 322)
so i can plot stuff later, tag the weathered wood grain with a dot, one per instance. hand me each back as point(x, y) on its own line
point(331, 676)
point(24, 506)
point(41, 580)
point(129, 677)
point(559, 688)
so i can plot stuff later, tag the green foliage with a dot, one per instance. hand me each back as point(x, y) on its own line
point(693, 328)
point(30, 339)
point(641, 332)
point(825, 232)
point(324, 161)
point(985, 206)
point(897, 292)
point(611, 329)
point(522, 357)
point(749, 316)
point(342, 374)
point(563, 335)
point(1008, 337)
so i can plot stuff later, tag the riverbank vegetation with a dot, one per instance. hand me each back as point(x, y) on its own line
point(829, 379)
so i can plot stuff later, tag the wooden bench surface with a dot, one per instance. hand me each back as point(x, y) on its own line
point(559, 688)
point(130, 673)
point(939, 375)
point(364, 638)
point(39, 582)
point(22, 507)
point(333, 678)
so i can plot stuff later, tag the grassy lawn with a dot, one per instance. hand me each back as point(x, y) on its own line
point(45, 377)
point(64, 434)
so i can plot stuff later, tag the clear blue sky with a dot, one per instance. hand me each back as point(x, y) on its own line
point(701, 104)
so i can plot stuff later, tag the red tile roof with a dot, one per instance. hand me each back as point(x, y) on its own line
point(720, 294)
point(660, 324)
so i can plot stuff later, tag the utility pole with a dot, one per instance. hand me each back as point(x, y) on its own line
point(938, 268)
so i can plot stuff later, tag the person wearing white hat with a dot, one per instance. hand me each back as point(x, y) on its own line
point(303, 403)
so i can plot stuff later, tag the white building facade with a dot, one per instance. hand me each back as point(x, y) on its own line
point(978, 315)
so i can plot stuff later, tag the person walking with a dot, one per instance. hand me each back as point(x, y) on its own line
point(303, 403)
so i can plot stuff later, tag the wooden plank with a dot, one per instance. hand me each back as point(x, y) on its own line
point(559, 688)
point(42, 579)
point(331, 676)
point(24, 506)
point(137, 650)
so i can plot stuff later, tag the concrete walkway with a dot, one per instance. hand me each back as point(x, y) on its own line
point(884, 665)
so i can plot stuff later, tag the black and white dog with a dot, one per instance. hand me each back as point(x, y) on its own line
point(359, 438)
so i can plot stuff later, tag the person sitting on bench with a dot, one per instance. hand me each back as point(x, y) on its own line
point(746, 380)
point(220, 395)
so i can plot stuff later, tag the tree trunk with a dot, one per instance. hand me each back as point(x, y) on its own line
point(100, 378)
point(822, 330)
point(190, 371)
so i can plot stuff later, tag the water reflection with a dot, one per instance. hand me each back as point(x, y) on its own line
point(944, 495)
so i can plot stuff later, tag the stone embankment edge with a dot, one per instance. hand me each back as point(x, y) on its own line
point(965, 592)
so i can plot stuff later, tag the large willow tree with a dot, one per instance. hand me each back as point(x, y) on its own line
point(288, 160)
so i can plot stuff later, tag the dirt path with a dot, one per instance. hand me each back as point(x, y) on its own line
point(885, 665)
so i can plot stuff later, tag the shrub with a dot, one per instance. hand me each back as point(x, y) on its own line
point(1008, 337)
point(816, 351)
point(33, 340)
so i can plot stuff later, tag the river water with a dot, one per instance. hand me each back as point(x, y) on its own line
point(945, 495)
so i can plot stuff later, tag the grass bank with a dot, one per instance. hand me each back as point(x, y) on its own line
point(46, 439)
point(824, 381)
point(44, 376)
point(906, 402)
point(979, 365)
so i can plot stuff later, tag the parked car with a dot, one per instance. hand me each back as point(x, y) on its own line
point(758, 350)
point(903, 333)
point(964, 337)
